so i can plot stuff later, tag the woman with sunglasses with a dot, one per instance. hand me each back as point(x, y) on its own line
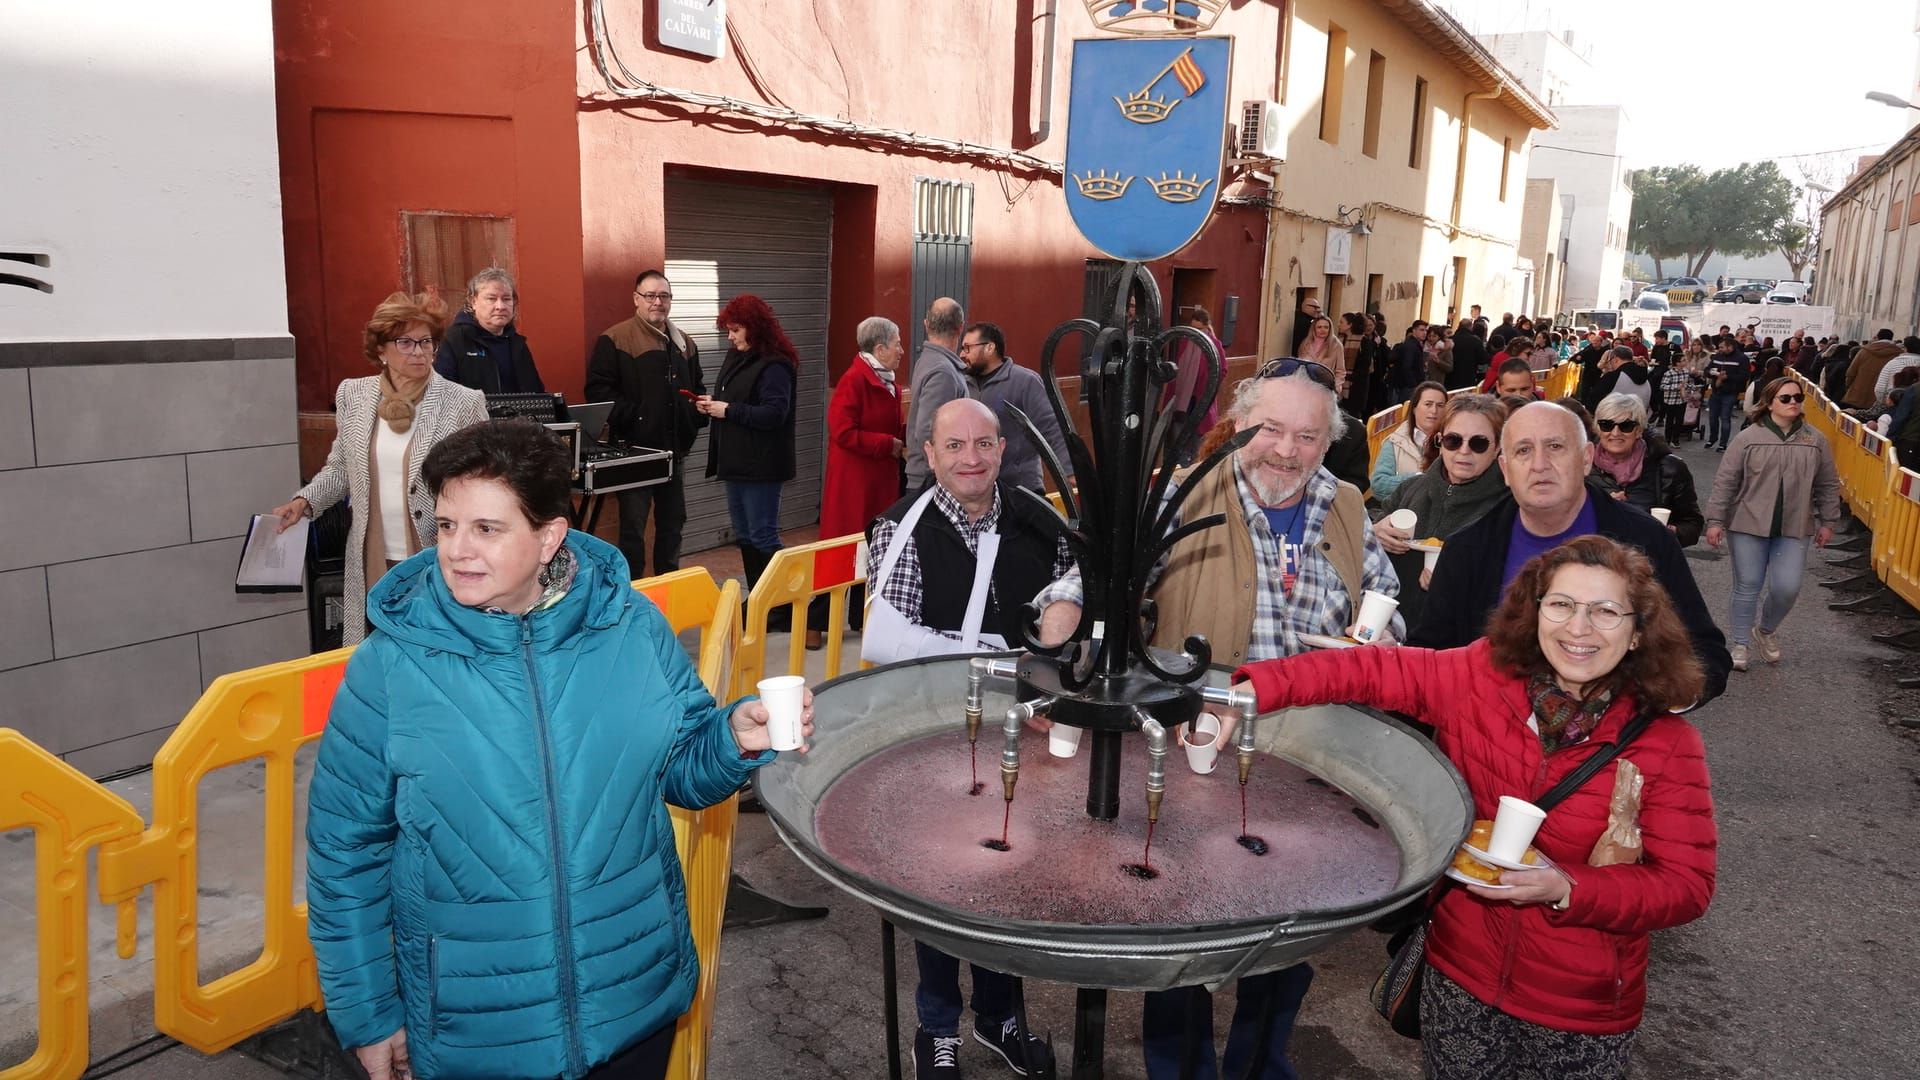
point(1544, 973)
point(384, 425)
point(1775, 490)
point(1457, 486)
point(1636, 466)
point(1404, 453)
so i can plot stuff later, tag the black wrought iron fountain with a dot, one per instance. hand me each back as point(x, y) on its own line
point(882, 803)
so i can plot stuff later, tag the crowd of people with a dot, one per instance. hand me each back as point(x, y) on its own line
point(1546, 612)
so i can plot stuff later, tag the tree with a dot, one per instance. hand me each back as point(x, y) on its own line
point(1679, 211)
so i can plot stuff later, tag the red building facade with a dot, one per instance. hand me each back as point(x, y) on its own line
point(842, 160)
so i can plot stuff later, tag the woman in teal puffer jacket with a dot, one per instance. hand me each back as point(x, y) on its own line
point(492, 885)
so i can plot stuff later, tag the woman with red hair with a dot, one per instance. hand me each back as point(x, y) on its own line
point(1543, 972)
point(751, 440)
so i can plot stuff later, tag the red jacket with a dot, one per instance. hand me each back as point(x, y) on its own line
point(863, 476)
point(1583, 969)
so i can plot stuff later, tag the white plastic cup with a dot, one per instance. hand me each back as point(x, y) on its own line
point(1403, 519)
point(1661, 514)
point(1063, 740)
point(1432, 558)
point(1376, 611)
point(1513, 828)
point(1198, 740)
point(782, 695)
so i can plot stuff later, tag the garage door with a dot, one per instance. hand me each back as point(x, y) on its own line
point(728, 239)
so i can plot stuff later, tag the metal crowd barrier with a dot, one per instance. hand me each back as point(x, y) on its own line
point(1883, 494)
point(268, 714)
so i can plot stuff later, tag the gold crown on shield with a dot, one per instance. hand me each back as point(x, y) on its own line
point(1154, 17)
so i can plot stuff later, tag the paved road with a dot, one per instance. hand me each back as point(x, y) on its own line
point(1805, 966)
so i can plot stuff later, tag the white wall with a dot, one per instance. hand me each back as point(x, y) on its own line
point(1583, 157)
point(141, 156)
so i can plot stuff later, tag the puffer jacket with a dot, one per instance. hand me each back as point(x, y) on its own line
point(1583, 969)
point(1765, 475)
point(1665, 481)
point(490, 861)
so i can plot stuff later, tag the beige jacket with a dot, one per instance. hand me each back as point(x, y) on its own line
point(1760, 469)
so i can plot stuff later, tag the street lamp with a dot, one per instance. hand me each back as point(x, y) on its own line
point(1884, 98)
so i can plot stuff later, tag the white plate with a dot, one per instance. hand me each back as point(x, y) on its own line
point(1322, 641)
point(1465, 880)
point(1426, 545)
point(1506, 864)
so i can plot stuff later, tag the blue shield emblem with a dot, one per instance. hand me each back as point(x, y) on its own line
point(1146, 132)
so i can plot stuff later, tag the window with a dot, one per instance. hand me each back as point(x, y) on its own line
point(1376, 89)
point(445, 250)
point(1506, 163)
point(1417, 150)
point(1426, 297)
point(1333, 88)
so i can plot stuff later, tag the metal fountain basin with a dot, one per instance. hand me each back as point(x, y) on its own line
point(1396, 775)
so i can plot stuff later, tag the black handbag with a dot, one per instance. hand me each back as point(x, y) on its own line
point(1396, 993)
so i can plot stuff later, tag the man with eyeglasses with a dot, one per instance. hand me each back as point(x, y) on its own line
point(650, 369)
point(1545, 457)
point(938, 376)
point(1002, 385)
point(1309, 310)
point(1292, 560)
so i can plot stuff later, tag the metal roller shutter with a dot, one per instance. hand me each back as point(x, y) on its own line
point(776, 243)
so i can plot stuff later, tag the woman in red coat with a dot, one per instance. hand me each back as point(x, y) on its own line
point(1545, 974)
point(864, 450)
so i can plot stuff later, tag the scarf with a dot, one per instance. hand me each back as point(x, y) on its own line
point(1444, 507)
point(556, 577)
point(1566, 720)
point(397, 409)
point(1624, 470)
point(882, 372)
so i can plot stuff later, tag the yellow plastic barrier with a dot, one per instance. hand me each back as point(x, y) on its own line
point(1883, 494)
point(68, 814)
point(268, 713)
point(795, 576)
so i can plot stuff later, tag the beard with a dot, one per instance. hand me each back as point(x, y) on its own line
point(1271, 490)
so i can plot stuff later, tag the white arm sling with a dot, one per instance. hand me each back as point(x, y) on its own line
point(888, 636)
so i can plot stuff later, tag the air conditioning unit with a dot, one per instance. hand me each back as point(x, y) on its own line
point(1262, 135)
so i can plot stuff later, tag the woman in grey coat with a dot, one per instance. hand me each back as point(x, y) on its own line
point(1775, 490)
point(384, 426)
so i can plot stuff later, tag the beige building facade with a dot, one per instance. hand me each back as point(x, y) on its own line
point(1395, 114)
point(1869, 262)
point(1544, 241)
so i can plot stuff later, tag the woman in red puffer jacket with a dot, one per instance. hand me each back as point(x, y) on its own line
point(1545, 975)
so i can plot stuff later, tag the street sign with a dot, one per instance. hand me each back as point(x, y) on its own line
point(1146, 123)
point(695, 26)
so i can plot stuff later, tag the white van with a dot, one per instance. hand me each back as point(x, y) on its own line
point(1789, 292)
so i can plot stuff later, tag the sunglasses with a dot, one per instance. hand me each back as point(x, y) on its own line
point(1453, 440)
point(1627, 427)
point(1790, 399)
point(1282, 366)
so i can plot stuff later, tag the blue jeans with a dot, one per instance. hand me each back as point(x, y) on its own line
point(1720, 418)
point(1163, 1026)
point(937, 998)
point(754, 508)
point(1773, 564)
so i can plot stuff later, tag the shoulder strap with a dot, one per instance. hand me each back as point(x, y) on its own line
point(1607, 752)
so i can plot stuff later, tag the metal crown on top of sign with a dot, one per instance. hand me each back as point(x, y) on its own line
point(1146, 116)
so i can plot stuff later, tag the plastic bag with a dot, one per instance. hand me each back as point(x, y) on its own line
point(1620, 843)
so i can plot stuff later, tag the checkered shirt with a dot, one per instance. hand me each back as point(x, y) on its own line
point(1318, 602)
point(903, 590)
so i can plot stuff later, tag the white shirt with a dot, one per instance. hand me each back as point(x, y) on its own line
point(390, 454)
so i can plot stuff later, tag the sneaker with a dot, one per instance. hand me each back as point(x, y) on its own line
point(1002, 1039)
point(1721, 449)
point(1768, 645)
point(1739, 657)
point(935, 1057)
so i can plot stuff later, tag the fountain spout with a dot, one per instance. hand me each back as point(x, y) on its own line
point(979, 670)
point(1010, 755)
point(1244, 705)
point(1156, 735)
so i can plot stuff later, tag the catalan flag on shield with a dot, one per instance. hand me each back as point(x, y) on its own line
point(1189, 73)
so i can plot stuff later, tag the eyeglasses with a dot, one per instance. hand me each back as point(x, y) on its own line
point(968, 346)
point(1627, 427)
point(1790, 399)
point(413, 345)
point(1282, 366)
point(655, 297)
point(1453, 440)
point(1603, 614)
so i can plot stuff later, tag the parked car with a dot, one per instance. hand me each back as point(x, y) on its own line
point(1749, 292)
point(1678, 333)
point(1652, 301)
point(1789, 292)
point(1681, 290)
point(1604, 318)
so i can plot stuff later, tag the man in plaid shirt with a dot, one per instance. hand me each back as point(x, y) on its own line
point(1293, 557)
